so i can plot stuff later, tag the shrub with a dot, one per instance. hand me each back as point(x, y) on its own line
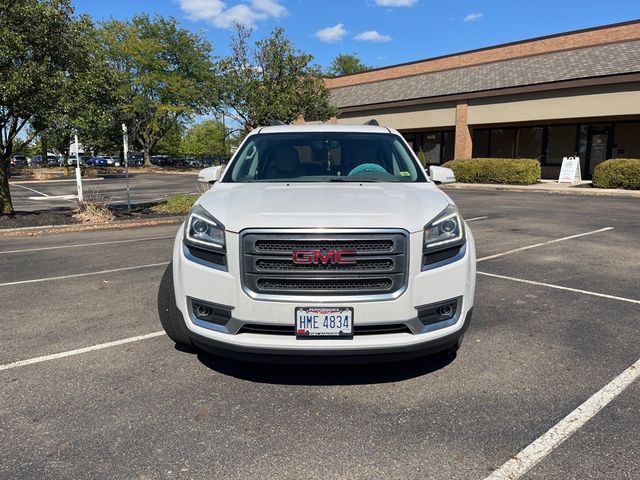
point(618, 173)
point(496, 170)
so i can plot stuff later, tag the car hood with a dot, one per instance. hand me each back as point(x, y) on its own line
point(324, 205)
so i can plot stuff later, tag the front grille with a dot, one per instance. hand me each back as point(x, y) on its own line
point(377, 263)
point(287, 265)
point(358, 329)
point(360, 246)
point(347, 285)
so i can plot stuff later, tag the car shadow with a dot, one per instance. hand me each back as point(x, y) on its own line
point(326, 374)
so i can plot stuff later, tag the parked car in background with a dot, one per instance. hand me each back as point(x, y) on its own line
point(162, 160)
point(52, 160)
point(73, 161)
point(113, 161)
point(97, 162)
point(136, 160)
point(20, 161)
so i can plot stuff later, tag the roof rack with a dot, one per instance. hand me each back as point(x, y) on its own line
point(373, 122)
point(275, 122)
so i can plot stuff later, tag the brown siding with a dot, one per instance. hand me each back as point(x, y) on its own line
point(568, 41)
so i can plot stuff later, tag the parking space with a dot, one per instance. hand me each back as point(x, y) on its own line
point(147, 187)
point(143, 409)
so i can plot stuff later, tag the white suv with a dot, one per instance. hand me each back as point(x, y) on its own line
point(321, 241)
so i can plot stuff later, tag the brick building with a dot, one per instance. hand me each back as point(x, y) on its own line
point(549, 97)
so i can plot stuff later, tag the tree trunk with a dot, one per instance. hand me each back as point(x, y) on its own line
point(66, 163)
point(5, 194)
point(43, 151)
point(147, 157)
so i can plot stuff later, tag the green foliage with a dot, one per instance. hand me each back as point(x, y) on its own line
point(496, 170)
point(88, 100)
point(169, 144)
point(176, 204)
point(205, 139)
point(41, 50)
point(170, 76)
point(345, 64)
point(272, 80)
point(618, 173)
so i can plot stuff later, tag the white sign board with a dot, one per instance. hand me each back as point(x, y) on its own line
point(570, 170)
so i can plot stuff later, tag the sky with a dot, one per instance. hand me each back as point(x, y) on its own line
point(380, 32)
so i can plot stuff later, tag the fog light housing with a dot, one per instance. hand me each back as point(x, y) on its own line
point(211, 312)
point(439, 312)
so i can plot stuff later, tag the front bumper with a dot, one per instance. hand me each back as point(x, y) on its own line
point(194, 280)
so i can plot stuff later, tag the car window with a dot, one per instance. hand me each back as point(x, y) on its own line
point(324, 157)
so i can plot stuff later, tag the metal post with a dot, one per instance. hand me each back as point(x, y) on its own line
point(78, 172)
point(125, 142)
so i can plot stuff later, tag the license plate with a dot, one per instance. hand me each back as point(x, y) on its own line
point(324, 322)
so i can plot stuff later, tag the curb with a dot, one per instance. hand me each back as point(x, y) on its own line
point(80, 227)
point(508, 188)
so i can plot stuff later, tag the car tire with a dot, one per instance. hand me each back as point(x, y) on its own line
point(170, 316)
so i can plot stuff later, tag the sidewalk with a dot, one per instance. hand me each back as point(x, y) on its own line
point(547, 186)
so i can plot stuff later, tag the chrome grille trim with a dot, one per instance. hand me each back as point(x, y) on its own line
point(268, 271)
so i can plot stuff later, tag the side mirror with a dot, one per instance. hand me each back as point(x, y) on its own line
point(441, 174)
point(210, 175)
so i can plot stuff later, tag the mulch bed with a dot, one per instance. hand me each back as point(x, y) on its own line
point(65, 216)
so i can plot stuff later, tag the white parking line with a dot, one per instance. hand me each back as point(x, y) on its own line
point(78, 351)
point(517, 466)
point(475, 218)
point(542, 244)
point(560, 287)
point(28, 188)
point(111, 242)
point(76, 275)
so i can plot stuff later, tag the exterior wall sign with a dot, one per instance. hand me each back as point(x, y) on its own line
point(570, 170)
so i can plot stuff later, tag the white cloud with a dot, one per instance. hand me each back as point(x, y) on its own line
point(373, 36)
point(396, 3)
point(473, 17)
point(218, 14)
point(331, 34)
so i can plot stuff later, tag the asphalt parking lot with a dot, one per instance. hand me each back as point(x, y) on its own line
point(92, 389)
point(145, 187)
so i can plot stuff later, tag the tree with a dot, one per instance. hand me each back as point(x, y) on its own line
point(345, 64)
point(272, 81)
point(205, 139)
point(169, 144)
point(170, 76)
point(38, 53)
point(88, 101)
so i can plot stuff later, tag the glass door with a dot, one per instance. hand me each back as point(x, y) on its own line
point(598, 145)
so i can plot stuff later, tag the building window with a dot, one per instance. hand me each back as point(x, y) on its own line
point(481, 143)
point(529, 142)
point(448, 145)
point(561, 142)
point(437, 147)
point(501, 142)
point(626, 140)
point(431, 142)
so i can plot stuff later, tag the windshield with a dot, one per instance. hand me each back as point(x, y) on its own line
point(324, 157)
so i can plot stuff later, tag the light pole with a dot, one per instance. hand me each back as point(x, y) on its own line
point(125, 143)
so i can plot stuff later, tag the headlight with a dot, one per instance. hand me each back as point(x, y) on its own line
point(447, 230)
point(203, 231)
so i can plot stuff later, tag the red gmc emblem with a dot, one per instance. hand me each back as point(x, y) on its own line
point(316, 257)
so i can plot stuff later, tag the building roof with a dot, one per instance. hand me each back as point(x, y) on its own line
point(589, 62)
